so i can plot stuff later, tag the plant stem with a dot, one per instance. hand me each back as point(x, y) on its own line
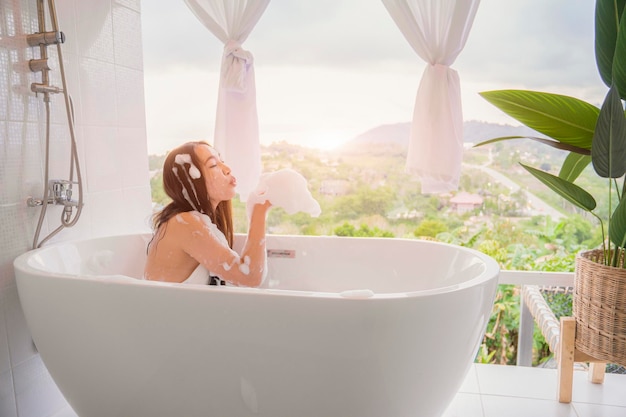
point(606, 254)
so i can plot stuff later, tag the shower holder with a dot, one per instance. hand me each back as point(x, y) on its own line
point(45, 38)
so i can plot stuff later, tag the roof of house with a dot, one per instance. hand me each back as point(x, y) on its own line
point(466, 198)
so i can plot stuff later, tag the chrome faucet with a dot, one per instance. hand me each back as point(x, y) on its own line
point(59, 193)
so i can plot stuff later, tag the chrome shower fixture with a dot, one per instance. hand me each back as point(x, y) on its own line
point(42, 39)
point(59, 193)
point(56, 192)
point(45, 38)
point(45, 88)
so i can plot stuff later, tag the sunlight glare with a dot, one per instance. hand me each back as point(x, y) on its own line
point(326, 140)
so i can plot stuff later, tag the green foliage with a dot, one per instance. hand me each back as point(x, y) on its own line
point(155, 162)
point(610, 34)
point(366, 201)
point(580, 128)
point(503, 327)
point(565, 119)
point(158, 194)
point(364, 230)
point(430, 228)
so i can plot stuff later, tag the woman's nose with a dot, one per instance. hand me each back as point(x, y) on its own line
point(225, 169)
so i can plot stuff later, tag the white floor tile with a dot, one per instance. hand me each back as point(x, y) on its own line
point(35, 391)
point(611, 392)
point(66, 412)
point(517, 381)
point(465, 405)
point(597, 410)
point(497, 406)
point(470, 385)
point(8, 407)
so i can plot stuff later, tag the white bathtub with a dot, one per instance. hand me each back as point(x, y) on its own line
point(348, 327)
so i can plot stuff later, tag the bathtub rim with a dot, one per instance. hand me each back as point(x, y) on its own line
point(23, 264)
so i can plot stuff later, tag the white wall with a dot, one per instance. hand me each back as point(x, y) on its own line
point(103, 57)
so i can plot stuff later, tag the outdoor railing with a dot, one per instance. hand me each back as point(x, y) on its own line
point(527, 323)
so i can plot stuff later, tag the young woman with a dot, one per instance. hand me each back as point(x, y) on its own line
point(193, 236)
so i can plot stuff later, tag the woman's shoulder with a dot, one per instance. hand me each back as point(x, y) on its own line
point(193, 223)
point(187, 218)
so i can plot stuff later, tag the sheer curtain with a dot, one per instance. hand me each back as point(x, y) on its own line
point(237, 123)
point(437, 30)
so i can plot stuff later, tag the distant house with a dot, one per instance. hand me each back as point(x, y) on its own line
point(334, 187)
point(464, 202)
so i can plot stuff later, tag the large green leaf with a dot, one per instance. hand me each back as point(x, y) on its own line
point(562, 118)
point(573, 165)
point(607, 21)
point(569, 191)
point(619, 59)
point(617, 224)
point(608, 151)
point(549, 142)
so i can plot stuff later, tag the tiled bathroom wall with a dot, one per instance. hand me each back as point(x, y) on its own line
point(103, 64)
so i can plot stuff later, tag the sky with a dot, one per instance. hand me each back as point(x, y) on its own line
point(329, 70)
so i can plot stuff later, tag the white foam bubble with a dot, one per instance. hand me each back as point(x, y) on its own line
point(245, 266)
point(185, 158)
point(194, 172)
point(185, 192)
point(182, 158)
point(213, 229)
point(287, 189)
point(100, 261)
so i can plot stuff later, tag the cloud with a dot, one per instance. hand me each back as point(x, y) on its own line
point(348, 33)
point(310, 57)
point(534, 43)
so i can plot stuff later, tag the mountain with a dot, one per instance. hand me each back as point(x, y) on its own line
point(473, 132)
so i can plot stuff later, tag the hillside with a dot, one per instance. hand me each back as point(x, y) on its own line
point(398, 133)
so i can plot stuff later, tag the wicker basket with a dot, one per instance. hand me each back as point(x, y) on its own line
point(600, 308)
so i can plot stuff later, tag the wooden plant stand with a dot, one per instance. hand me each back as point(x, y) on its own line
point(567, 355)
point(561, 337)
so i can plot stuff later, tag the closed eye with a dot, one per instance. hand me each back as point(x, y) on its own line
point(212, 162)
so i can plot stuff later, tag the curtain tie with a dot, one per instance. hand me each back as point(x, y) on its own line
point(235, 65)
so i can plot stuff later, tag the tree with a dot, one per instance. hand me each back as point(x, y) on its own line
point(365, 202)
point(347, 229)
point(430, 228)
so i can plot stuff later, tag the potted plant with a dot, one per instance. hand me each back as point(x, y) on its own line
point(596, 136)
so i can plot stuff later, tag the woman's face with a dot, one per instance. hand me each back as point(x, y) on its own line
point(220, 184)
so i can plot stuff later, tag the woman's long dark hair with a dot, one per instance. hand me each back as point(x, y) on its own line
point(189, 193)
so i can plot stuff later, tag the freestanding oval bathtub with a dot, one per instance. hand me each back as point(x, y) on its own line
point(358, 327)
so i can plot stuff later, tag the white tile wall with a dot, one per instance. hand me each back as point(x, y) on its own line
point(104, 71)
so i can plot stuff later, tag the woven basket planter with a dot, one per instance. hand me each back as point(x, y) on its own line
point(600, 308)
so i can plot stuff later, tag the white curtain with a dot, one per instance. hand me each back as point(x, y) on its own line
point(437, 30)
point(237, 123)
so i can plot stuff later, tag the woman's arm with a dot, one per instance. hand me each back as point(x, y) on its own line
point(206, 244)
point(254, 251)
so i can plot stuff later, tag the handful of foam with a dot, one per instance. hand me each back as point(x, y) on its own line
point(284, 188)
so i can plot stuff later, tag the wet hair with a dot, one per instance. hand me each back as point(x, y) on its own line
point(188, 191)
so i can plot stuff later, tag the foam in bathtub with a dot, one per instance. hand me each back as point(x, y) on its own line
point(287, 189)
point(364, 293)
point(99, 262)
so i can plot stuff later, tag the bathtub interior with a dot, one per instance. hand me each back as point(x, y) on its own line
point(338, 264)
point(324, 264)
